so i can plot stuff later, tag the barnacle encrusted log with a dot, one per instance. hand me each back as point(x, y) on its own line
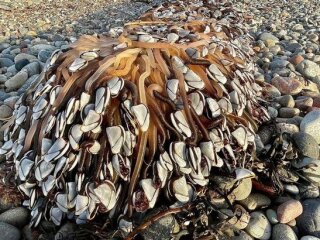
point(113, 123)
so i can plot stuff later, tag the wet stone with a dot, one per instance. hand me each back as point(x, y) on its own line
point(21, 63)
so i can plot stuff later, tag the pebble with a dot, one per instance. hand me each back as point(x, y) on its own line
point(9, 232)
point(17, 81)
point(310, 168)
point(43, 55)
point(309, 221)
point(306, 144)
point(290, 188)
point(288, 211)
point(287, 127)
point(33, 68)
point(287, 85)
point(296, 59)
point(37, 48)
point(17, 217)
point(66, 231)
point(283, 232)
point(256, 200)
point(309, 191)
point(27, 84)
point(286, 101)
point(22, 56)
point(309, 238)
point(241, 235)
point(259, 226)
point(287, 112)
point(160, 229)
point(5, 62)
point(269, 39)
point(311, 125)
point(308, 69)
point(272, 216)
point(21, 63)
point(5, 112)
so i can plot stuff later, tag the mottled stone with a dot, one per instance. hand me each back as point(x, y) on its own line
point(311, 124)
point(308, 68)
point(9, 232)
point(306, 144)
point(287, 85)
point(289, 210)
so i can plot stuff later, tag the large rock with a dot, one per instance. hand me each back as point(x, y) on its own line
point(311, 125)
point(309, 221)
point(287, 85)
point(269, 39)
point(310, 168)
point(288, 211)
point(308, 68)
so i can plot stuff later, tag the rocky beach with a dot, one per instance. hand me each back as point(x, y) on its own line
point(286, 41)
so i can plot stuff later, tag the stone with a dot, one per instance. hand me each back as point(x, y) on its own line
point(306, 144)
point(241, 235)
point(17, 81)
point(66, 231)
point(283, 232)
point(27, 84)
point(5, 62)
point(296, 59)
point(5, 112)
point(259, 226)
point(289, 210)
point(269, 39)
point(9, 232)
point(286, 101)
point(309, 238)
point(309, 191)
point(287, 112)
point(33, 68)
point(160, 229)
point(3, 78)
point(37, 48)
point(43, 55)
point(287, 85)
point(4, 46)
point(273, 113)
point(255, 200)
point(21, 63)
point(309, 221)
point(270, 91)
point(309, 167)
point(311, 125)
point(290, 188)
point(278, 63)
point(293, 47)
point(272, 216)
point(304, 103)
point(308, 68)
point(287, 127)
point(17, 217)
point(26, 56)
point(3, 95)
point(243, 190)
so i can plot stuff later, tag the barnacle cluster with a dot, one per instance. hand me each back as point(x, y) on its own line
point(115, 125)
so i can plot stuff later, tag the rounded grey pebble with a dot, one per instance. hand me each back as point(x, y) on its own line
point(17, 81)
point(311, 124)
point(309, 221)
point(9, 232)
point(272, 216)
point(283, 232)
point(286, 112)
point(286, 101)
point(306, 144)
point(17, 217)
point(43, 55)
point(5, 111)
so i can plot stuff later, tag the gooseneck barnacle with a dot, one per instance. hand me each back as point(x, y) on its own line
point(112, 124)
